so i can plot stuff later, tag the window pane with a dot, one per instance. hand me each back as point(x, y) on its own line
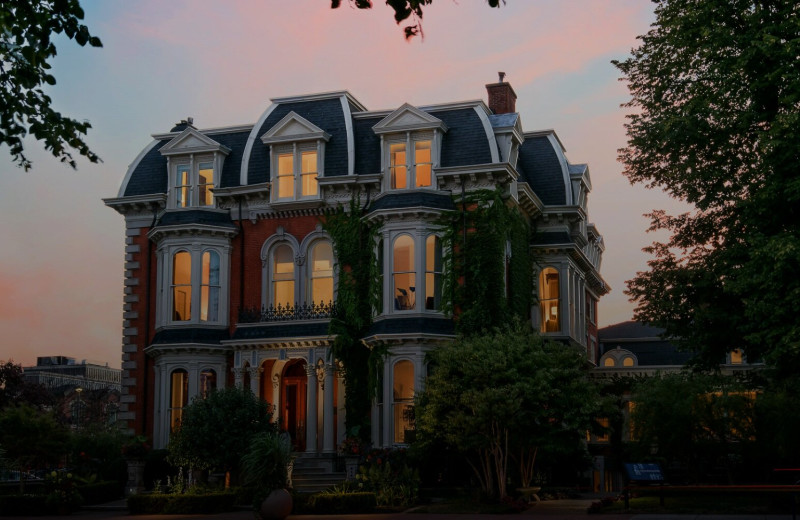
point(208, 382)
point(283, 276)
point(403, 397)
point(404, 273)
point(183, 188)
point(404, 291)
point(397, 165)
point(209, 287)
point(285, 176)
point(179, 396)
point(422, 158)
point(433, 272)
point(322, 290)
point(549, 300)
point(283, 261)
point(210, 268)
point(403, 254)
point(309, 173)
point(322, 273)
point(182, 286)
point(205, 181)
point(284, 293)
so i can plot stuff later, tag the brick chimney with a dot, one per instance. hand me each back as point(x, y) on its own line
point(502, 98)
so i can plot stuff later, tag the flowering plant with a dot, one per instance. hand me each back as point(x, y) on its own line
point(63, 496)
point(352, 447)
point(136, 448)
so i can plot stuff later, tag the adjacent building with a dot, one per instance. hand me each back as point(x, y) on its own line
point(221, 221)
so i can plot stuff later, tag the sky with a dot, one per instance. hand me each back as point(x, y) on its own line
point(62, 250)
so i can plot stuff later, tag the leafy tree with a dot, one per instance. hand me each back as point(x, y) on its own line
point(32, 438)
point(15, 390)
point(216, 431)
point(502, 397)
point(694, 421)
point(25, 49)
point(715, 89)
point(403, 10)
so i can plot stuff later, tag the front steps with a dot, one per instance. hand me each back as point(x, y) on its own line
point(315, 472)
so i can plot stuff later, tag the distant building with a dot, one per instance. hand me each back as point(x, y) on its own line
point(62, 372)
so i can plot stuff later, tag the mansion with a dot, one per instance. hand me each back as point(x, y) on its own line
point(222, 221)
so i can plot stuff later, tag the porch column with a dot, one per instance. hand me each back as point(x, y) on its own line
point(237, 377)
point(328, 385)
point(276, 397)
point(340, 409)
point(255, 379)
point(311, 409)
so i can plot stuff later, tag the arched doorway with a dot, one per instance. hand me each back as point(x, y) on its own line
point(294, 384)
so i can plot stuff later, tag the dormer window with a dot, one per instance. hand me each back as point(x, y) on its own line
point(412, 141)
point(297, 151)
point(410, 163)
point(194, 162)
point(194, 184)
point(296, 170)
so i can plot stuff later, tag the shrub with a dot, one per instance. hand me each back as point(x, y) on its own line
point(343, 503)
point(387, 474)
point(153, 504)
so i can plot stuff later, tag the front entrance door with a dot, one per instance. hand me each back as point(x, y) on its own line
point(293, 403)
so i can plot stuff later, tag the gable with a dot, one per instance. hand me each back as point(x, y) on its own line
point(192, 141)
point(294, 127)
point(408, 118)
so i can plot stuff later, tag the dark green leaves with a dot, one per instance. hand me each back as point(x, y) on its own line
point(25, 48)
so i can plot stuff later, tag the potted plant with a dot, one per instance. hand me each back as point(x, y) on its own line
point(351, 449)
point(265, 467)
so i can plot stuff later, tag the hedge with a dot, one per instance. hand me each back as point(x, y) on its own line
point(153, 504)
point(342, 503)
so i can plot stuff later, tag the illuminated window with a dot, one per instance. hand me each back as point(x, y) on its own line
point(195, 286)
point(410, 163)
point(296, 172)
point(321, 266)
point(403, 400)
point(282, 276)
point(193, 184)
point(179, 397)
point(549, 300)
point(404, 274)
point(433, 273)
point(208, 382)
point(609, 362)
point(736, 357)
point(627, 361)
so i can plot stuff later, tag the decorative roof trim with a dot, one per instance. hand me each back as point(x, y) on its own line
point(423, 121)
point(248, 148)
point(158, 349)
point(208, 131)
point(208, 145)
point(124, 205)
point(312, 131)
point(351, 146)
point(476, 103)
point(487, 127)
point(320, 96)
point(159, 232)
point(135, 164)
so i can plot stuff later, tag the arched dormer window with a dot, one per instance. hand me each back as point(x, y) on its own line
point(549, 300)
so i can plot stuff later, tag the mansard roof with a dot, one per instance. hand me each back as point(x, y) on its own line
point(643, 341)
point(543, 165)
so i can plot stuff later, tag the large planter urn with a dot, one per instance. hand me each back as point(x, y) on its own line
point(277, 505)
point(135, 484)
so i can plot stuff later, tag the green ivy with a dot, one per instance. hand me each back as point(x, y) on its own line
point(358, 293)
point(475, 287)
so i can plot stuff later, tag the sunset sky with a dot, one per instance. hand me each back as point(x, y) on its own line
point(62, 252)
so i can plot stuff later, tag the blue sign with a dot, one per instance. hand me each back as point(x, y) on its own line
point(644, 472)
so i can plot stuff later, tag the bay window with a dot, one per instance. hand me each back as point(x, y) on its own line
point(549, 300)
point(195, 286)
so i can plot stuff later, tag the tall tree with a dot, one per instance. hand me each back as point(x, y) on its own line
point(715, 91)
point(26, 27)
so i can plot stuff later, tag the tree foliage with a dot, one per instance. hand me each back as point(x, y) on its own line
point(15, 390)
point(403, 10)
point(501, 397)
point(695, 421)
point(715, 89)
point(32, 438)
point(26, 48)
point(215, 431)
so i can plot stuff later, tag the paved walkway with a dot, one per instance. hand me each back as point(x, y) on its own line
point(570, 509)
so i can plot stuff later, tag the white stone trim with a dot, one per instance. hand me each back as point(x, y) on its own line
point(251, 139)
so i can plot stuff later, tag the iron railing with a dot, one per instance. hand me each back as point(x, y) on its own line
point(305, 311)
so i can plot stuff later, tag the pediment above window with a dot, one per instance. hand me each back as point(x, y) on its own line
point(190, 141)
point(408, 118)
point(292, 128)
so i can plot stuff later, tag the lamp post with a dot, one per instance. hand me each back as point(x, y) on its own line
point(78, 407)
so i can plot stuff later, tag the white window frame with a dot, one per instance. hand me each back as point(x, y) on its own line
point(409, 139)
point(419, 237)
point(192, 163)
point(164, 304)
point(296, 149)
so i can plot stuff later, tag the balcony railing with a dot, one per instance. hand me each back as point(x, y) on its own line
point(305, 311)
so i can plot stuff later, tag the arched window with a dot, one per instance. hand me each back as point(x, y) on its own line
point(609, 362)
point(208, 382)
point(321, 267)
point(549, 300)
point(182, 286)
point(404, 274)
point(179, 397)
point(209, 287)
point(627, 361)
point(282, 275)
point(403, 400)
point(433, 273)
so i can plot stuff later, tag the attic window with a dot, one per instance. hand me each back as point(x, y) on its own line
point(410, 162)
